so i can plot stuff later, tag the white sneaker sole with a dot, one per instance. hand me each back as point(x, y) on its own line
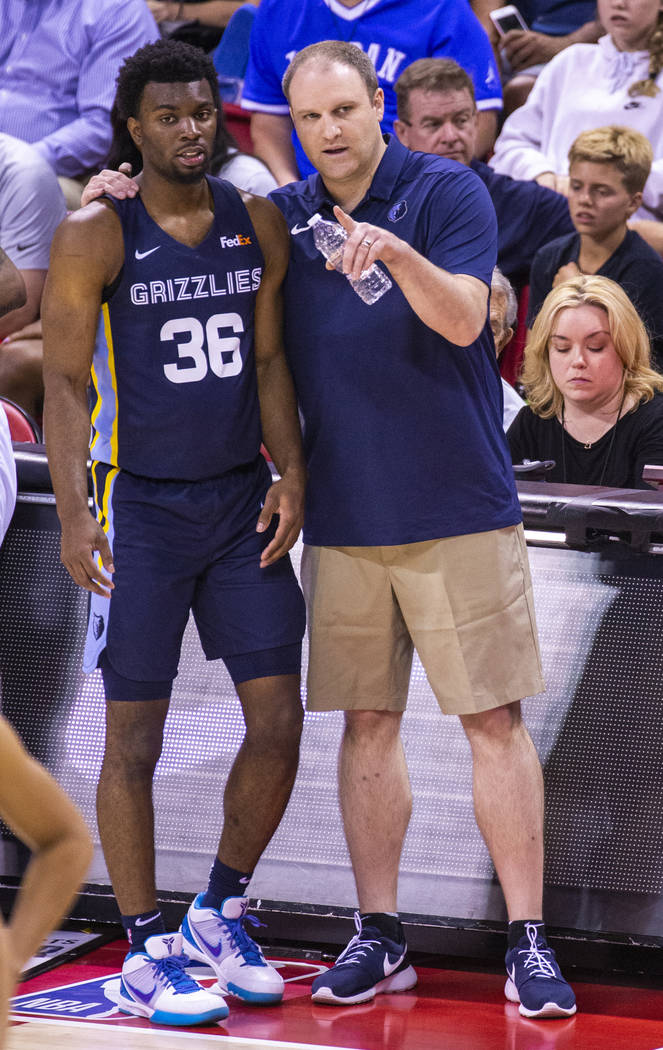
point(130, 1006)
point(397, 982)
point(547, 1010)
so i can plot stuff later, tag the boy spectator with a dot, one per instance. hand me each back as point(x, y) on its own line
point(608, 169)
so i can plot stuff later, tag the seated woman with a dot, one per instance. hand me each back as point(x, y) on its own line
point(595, 405)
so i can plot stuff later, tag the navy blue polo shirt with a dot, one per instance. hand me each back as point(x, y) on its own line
point(402, 429)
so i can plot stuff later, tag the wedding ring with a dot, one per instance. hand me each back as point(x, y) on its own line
point(367, 242)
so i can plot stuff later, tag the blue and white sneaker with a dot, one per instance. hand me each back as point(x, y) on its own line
point(219, 939)
point(370, 964)
point(535, 980)
point(155, 984)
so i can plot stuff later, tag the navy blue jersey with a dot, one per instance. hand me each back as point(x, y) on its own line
point(402, 429)
point(174, 370)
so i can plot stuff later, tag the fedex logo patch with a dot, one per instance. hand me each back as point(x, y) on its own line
point(238, 241)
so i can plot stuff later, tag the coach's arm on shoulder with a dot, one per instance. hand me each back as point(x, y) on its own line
point(278, 404)
point(452, 304)
point(78, 273)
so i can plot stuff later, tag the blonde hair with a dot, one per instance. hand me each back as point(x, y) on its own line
point(628, 334)
point(626, 149)
point(649, 86)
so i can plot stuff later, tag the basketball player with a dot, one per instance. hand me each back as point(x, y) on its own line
point(188, 374)
point(42, 816)
point(31, 803)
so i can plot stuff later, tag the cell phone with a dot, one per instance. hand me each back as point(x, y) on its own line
point(506, 18)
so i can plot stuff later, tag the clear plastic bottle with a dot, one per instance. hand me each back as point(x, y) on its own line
point(329, 239)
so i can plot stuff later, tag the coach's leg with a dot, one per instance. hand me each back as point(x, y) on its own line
point(376, 802)
point(508, 804)
point(263, 773)
point(134, 736)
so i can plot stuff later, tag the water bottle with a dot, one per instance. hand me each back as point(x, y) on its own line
point(329, 239)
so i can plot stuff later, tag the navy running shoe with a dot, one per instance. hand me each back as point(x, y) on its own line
point(535, 980)
point(156, 985)
point(370, 964)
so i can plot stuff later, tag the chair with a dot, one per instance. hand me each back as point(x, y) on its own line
point(238, 122)
point(22, 427)
point(511, 358)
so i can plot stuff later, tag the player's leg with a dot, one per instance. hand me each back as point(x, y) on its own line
point(136, 639)
point(256, 795)
point(360, 658)
point(125, 813)
point(253, 619)
point(468, 603)
point(263, 773)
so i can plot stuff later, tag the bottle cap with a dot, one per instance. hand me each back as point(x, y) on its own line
point(315, 219)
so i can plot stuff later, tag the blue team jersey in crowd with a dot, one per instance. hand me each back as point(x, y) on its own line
point(394, 33)
point(402, 429)
point(174, 370)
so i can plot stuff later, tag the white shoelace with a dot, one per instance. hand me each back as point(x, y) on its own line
point(537, 961)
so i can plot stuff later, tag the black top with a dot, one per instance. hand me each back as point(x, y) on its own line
point(634, 265)
point(638, 440)
point(528, 216)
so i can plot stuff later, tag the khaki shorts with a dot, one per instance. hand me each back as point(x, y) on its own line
point(465, 602)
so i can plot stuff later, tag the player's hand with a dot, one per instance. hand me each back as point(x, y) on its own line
point(80, 539)
point(524, 48)
point(117, 183)
point(566, 273)
point(365, 244)
point(285, 498)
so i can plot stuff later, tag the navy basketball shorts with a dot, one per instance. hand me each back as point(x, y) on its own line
point(181, 547)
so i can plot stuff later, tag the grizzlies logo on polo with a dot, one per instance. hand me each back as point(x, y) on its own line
point(398, 211)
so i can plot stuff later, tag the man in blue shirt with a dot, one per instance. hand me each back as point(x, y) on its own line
point(412, 528)
point(58, 63)
point(437, 114)
point(413, 533)
point(393, 33)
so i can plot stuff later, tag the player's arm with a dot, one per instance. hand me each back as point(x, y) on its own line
point(12, 287)
point(278, 404)
point(45, 819)
point(271, 134)
point(452, 304)
point(78, 273)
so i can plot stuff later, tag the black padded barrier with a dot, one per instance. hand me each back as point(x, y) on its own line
point(598, 730)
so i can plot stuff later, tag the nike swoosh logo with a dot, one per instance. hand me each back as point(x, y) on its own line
point(215, 951)
point(24, 247)
point(300, 229)
point(143, 996)
point(390, 966)
point(144, 922)
point(143, 255)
